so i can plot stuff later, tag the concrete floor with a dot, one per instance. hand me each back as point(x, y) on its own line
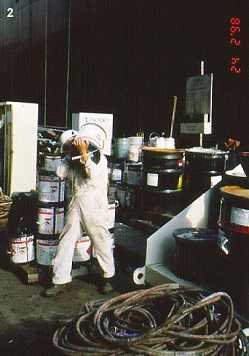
point(28, 320)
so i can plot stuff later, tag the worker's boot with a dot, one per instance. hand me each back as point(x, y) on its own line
point(55, 290)
point(107, 286)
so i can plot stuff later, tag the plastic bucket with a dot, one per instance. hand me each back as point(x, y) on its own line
point(51, 189)
point(82, 250)
point(121, 148)
point(135, 148)
point(112, 214)
point(50, 220)
point(22, 249)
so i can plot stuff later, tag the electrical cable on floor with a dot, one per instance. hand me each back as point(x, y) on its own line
point(162, 320)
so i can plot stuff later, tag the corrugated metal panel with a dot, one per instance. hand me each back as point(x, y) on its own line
point(126, 57)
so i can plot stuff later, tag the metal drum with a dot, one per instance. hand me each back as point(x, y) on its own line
point(163, 169)
point(196, 250)
point(204, 168)
point(51, 189)
point(234, 210)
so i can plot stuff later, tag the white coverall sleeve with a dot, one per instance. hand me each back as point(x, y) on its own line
point(98, 172)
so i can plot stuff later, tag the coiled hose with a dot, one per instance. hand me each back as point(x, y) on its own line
point(163, 320)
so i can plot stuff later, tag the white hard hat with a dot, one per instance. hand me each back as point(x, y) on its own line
point(66, 135)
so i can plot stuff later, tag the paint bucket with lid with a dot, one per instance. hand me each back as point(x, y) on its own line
point(22, 248)
point(163, 170)
point(234, 210)
point(50, 219)
point(112, 214)
point(51, 162)
point(82, 250)
point(135, 148)
point(51, 189)
point(196, 252)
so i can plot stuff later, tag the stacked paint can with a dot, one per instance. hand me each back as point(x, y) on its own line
point(22, 227)
point(51, 210)
point(162, 176)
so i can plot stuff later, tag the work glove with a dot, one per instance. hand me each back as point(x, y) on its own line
point(82, 147)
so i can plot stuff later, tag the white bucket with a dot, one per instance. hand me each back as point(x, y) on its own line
point(50, 220)
point(82, 251)
point(121, 148)
point(94, 133)
point(51, 163)
point(111, 214)
point(22, 249)
point(51, 189)
point(135, 148)
point(46, 251)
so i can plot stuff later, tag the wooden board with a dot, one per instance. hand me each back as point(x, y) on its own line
point(163, 150)
point(235, 190)
point(28, 273)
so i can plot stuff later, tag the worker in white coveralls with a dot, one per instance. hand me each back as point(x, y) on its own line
point(87, 211)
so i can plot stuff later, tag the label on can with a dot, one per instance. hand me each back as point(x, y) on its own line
point(51, 189)
point(239, 216)
point(152, 179)
point(116, 174)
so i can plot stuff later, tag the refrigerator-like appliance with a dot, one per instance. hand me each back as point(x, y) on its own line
point(18, 146)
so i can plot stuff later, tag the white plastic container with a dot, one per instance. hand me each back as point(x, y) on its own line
point(122, 148)
point(83, 250)
point(22, 248)
point(135, 148)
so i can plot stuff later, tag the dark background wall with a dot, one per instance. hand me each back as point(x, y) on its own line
point(128, 57)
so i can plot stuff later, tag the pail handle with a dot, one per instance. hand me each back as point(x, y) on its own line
point(156, 134)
